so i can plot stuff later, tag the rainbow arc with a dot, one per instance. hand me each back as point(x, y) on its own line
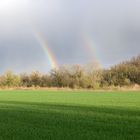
point(44, 45)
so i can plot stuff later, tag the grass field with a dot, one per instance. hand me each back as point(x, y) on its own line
point(69, 115)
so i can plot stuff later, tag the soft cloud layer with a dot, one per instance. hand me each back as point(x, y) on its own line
point(111, 27)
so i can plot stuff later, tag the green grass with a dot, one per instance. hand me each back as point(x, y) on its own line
point(67, 115)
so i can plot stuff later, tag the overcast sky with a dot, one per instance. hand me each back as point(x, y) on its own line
point(111, 26)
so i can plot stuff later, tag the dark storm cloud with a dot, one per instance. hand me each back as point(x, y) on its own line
point(113, 25)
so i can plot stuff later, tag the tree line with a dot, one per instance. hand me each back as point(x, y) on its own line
point(90, 76)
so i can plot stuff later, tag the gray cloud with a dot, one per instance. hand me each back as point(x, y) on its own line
point(113, 26)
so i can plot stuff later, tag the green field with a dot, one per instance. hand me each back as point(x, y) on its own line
point(69, 115)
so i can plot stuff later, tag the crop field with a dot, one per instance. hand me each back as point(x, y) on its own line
point(69, 115)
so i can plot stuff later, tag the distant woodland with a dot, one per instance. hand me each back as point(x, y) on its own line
point(91, 76)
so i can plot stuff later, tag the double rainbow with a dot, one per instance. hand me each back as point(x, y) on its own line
point(88, 44)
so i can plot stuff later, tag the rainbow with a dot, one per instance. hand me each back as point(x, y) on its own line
point(44, 45)
point(90, 46)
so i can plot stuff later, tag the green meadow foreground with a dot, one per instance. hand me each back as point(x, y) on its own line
point(69, 115)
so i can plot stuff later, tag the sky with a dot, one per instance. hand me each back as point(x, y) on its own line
point(74, 31)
